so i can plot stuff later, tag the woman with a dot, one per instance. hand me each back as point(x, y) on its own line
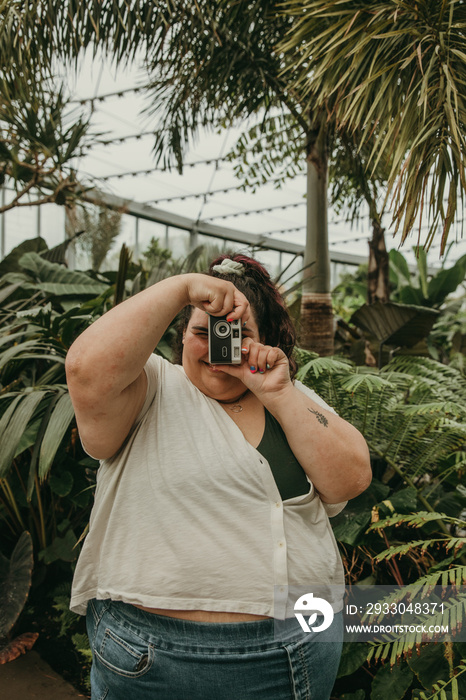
point(212, 498)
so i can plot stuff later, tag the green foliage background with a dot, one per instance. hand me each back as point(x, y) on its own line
point(407, 527)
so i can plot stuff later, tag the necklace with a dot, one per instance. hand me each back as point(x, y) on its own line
point(236, 407)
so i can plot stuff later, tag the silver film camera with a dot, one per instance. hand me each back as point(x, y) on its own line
point(224, 341)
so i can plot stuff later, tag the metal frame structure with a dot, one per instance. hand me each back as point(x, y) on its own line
point(150, 213)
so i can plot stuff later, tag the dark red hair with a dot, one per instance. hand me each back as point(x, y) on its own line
point(273, 320)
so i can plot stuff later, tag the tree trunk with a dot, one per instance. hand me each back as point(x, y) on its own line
point(378, 288)
point(317, 323)
point(317, 330)
point(70, 230)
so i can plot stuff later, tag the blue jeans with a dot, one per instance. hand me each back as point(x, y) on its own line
point(140, 656)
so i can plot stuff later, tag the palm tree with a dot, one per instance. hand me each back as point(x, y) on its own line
point(395, 74)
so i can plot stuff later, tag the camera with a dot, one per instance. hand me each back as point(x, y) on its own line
point(224, 341)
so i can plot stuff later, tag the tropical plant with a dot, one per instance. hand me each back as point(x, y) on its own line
point(101, 227)
point(424, 288)
point(426, 313)
point(41, 134)
point(42, 312)
point(443, 290)
point(155, 254)
point(71, 626)
point(15, 581)
point(447, 340)
point(350, 292)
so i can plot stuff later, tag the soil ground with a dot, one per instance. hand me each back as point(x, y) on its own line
point(30, 678)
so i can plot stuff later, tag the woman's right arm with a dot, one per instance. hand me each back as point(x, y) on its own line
point(105, 364)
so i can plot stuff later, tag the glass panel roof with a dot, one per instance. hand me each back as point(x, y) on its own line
point(121, 163)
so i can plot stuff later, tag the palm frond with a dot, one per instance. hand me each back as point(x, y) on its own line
point(394, 73)
point(422, 545)
point(402, 644)
point(416, 520)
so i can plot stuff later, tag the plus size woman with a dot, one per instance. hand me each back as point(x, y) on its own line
point(213, 498)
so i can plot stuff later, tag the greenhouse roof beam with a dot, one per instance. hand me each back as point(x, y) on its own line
point(150, 213)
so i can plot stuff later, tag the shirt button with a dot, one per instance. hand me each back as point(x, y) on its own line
point(280, 544)
point(278, 504)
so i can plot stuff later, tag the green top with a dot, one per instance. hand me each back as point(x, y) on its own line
point(289, 475)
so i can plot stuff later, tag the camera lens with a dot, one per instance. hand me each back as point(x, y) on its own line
point(222, 329)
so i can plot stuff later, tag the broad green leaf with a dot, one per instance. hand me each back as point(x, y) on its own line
point(8, 338)
point(431, 666)
point(28, 438)
point(351, 526)
point(50, 357)
point(353, 656)
point(55, 279)
point(322, 365)
point(73, 303)
point(8, 290)
point(8, 409)
point(16, 427)
point(36, 312)
point(396, 324)
point(404, 501)
point(375, 493)
point(79, 290)
point(61, 483)
point(13, 352)
point(62, 548)
point(445, 282)
point(15, 578)
point(391, 682)
point(60, 420)
point(398, 261)
point(411, 295)
point(45, 418)
point(11, 263)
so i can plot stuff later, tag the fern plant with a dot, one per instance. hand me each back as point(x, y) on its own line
point(412, 414)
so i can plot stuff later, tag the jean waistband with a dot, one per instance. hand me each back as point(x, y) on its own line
point(176, 633)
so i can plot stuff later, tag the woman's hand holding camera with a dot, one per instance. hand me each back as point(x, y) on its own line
point(216, 296)
point(264, 369)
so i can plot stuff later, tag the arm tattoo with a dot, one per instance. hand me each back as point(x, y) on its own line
point(320, 417)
